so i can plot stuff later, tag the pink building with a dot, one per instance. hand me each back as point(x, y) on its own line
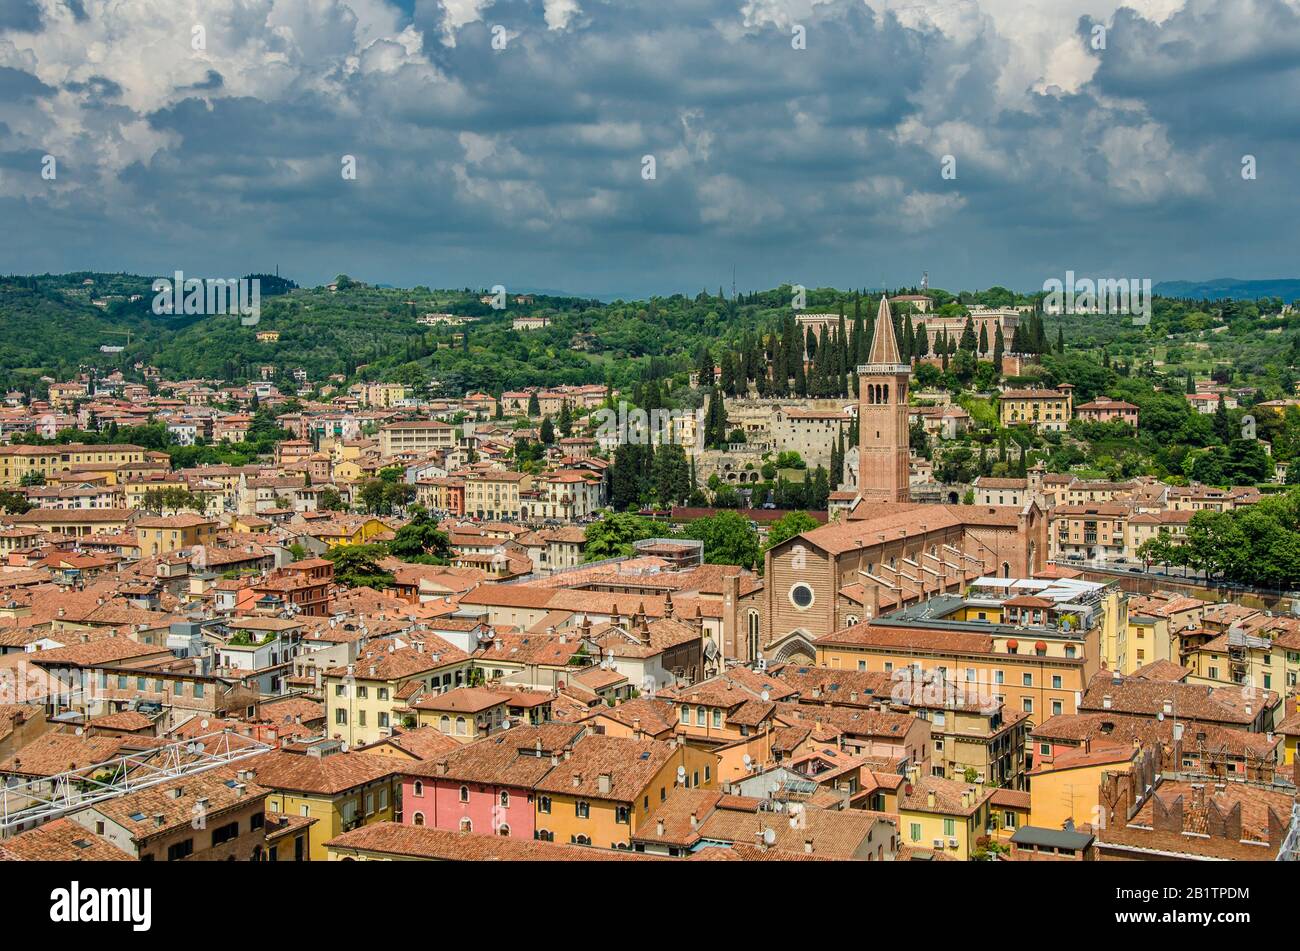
point(1106, 410)
point(487, 787)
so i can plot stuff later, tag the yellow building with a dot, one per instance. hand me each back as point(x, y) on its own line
point(158, 536)
point(943, 814)
point(340, 791)
point(19, 461)
point(494, 493)
point(602, 793)
point(1290, 730)
point(1070, 786)
point(366, 700)
point(1041, 409)
point(347, 530)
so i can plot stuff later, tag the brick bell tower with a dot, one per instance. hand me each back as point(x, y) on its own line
point(882, 416)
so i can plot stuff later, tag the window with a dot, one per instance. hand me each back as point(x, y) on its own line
point(464, 794)
point(504, 798)
point(686, 715)
point(340, 690)
point(363, 693)
point(717, 719)
point(582, 809)
point(225, 833)
point(1056, 708)
point(1027, 680)
point(544, 805)
point(1056, 681)
point(582, 840)
point(545, 835)
point(1045, 749)
point(708, 773)
point(699, 716)
point(801, 595)
point(503, 830)
point(444, 723)
point(622, 815)
point(383, 693)
point(949, 826)
point(340, 715)
point(418, 819)
point(1027, 705)
point(997, 677)
point(916, 832)
point(179, 850)
point(383, 719)
point(466, 825)
point(419, 788)
point(460, 726)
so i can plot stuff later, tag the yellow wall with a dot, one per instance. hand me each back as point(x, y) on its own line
point(328, 811)
point(602, 826)
point(1062, 794)
point(964, 829)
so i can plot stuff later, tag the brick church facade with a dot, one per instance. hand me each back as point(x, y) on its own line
point(887, 552)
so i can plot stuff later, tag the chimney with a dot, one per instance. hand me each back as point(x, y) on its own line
point(808, 845)
point(1105, 701)
point(176, 792)
point(577, 780)
point(636, 728)
point(659, 827)
point(929, 798)
point(695, 821)
point(159, 819)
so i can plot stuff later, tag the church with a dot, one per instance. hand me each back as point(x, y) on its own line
point(887, 551)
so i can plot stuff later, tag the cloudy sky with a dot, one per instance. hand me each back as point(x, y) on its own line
point(1077, 134)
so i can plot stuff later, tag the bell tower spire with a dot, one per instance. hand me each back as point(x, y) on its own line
point(883, 456)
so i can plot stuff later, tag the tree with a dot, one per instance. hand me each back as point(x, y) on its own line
point(15, 503)
point(547, 432)
point(534, 407)
point(613, 535)
point(564, 422)
point(788, 526)
point(358, 566)
point(420, 540)
point(329, 500)
point(729, 539)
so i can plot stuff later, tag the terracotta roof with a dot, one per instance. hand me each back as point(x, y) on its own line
point(60, 840)
point(323, 775)
point(426, 842)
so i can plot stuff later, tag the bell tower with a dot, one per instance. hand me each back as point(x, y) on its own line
point(882, 416)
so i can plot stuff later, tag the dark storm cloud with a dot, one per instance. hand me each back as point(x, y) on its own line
point(524, 165)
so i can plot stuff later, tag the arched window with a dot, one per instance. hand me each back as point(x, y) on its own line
point(504, 830)
point(505, 799)
point(460, 726)
point(419, 788)
point(464, 794)
point(752, 621)
point(466, 825)
point(444, 723)
point(418, 818)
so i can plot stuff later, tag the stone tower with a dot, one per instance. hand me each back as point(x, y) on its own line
point(882, 416)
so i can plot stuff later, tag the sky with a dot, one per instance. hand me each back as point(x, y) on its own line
point(636, 147)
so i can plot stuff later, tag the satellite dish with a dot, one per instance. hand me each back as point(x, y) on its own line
point(769, 836)
point(343, 747)
point(203, 723)
point(764, 695)
point(746, 759)
point(681, 774)
point(80, 731)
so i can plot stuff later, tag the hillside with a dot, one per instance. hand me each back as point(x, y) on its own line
point(1225, 288)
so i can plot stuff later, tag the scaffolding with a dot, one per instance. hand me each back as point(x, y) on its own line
point(27, 804)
